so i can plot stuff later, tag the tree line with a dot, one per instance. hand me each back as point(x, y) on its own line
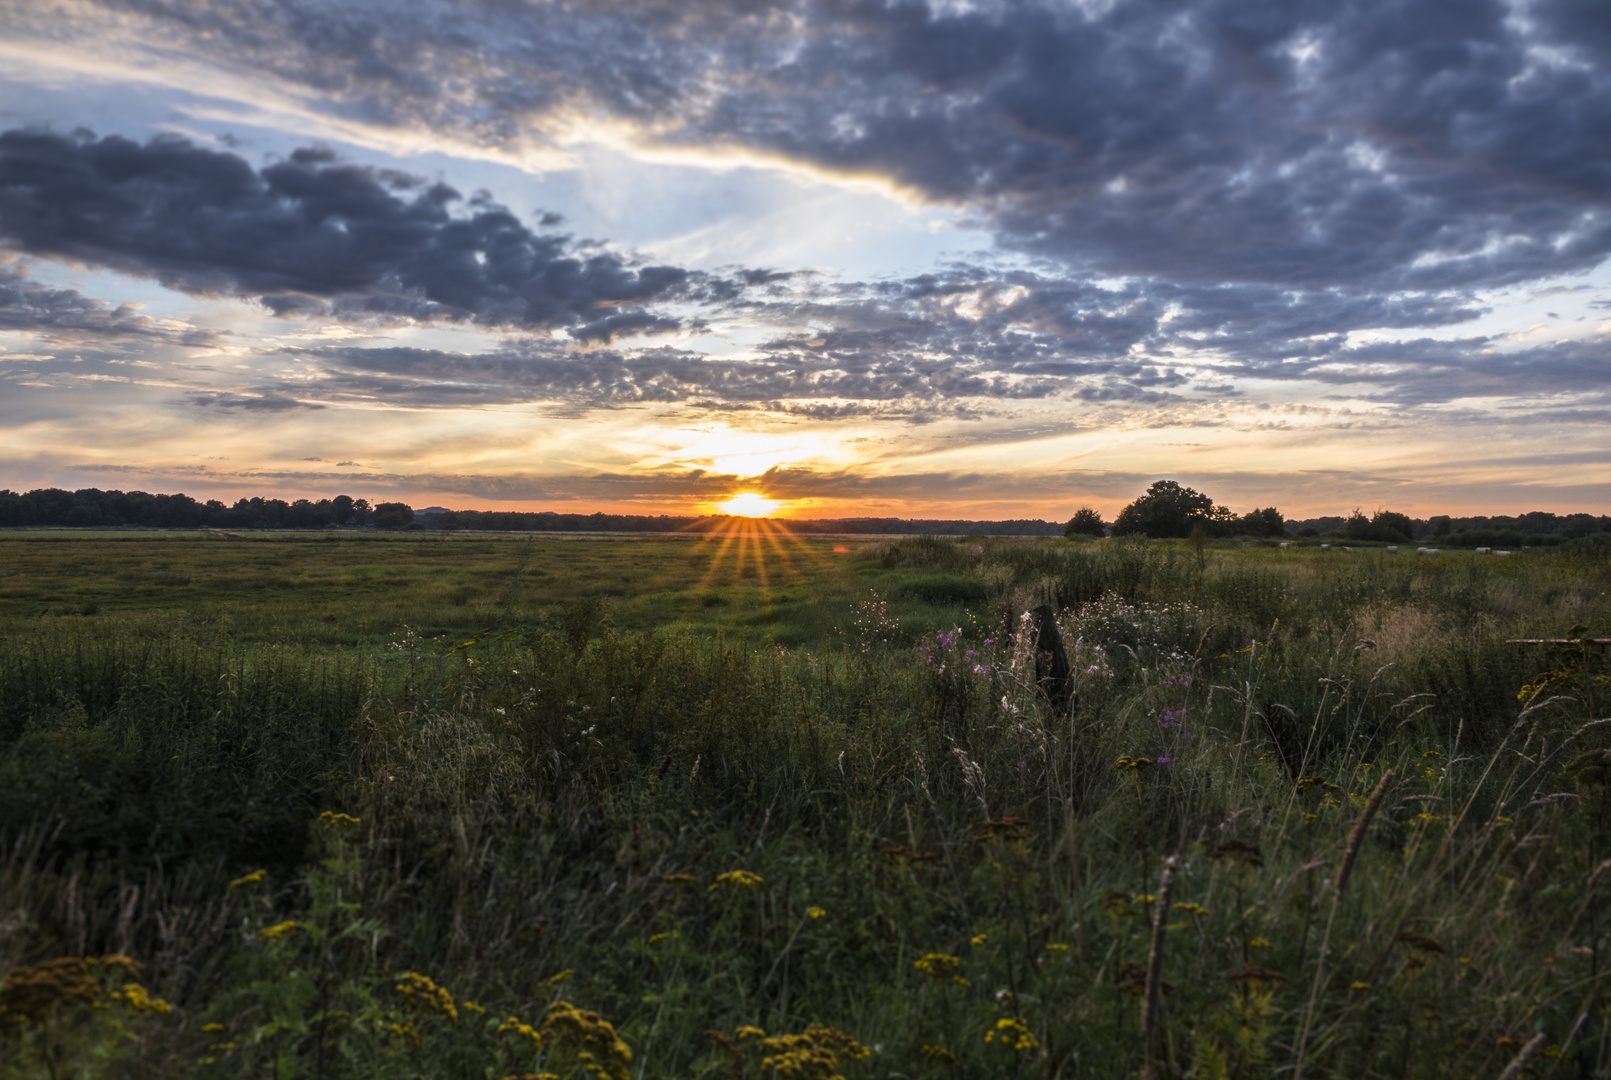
point(95, 508)
point(1171, 510)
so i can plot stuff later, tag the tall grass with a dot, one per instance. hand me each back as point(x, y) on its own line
point(571, 798)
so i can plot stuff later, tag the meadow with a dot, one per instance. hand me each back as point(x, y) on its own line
point(352, 805)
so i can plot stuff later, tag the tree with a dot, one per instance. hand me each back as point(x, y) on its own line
point(1266, 522)
point(1385, 525)
point(1085, 522)
point(393, 515)
point(1392, 526)
point(1167, 509)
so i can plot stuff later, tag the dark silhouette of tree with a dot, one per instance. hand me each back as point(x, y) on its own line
point(1385, 525)
point(1167, 509)
point(1085, 522)
point(1266, 522)
point(392, 515)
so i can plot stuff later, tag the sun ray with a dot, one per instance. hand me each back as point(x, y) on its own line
point(727, 533)
point(772, 530)
point(809, 554)
point(758, 552)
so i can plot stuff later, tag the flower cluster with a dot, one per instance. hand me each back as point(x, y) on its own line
point(139, 999)
point(522, 1030)
point(420, 990)
point(30, 993)
point(1133, 767)
point(593, 1041)
point(330, 820)
point(1013, 1034)
point(811, 1055)
point(737, 879)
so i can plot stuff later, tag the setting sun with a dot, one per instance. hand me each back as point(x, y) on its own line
point(748, 504)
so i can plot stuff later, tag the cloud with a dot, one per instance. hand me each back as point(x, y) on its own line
point(65, 315)
point(312, 235)
point(1378, 144)
point(261, 401)
point(1208, 192)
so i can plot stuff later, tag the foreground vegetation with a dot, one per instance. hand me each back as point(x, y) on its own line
point(560, 843)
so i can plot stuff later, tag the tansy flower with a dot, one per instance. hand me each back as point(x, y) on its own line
point(938, 965)
point(737, 879)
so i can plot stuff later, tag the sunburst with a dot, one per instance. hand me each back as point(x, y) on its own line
point(749, 504)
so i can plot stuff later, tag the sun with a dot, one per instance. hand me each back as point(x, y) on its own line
point(748, 504)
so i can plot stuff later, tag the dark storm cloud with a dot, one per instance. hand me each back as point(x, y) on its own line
point(311, 235)
point(63, 315)
point(1381, 144)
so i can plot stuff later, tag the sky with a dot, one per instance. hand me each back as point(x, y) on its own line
point(944, 259)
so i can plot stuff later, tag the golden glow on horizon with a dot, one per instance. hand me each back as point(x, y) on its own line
point(748, 504)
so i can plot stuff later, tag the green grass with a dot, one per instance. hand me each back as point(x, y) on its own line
point(554, 779)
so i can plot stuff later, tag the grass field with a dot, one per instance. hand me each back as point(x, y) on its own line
point(753, 582)
point(445, 806)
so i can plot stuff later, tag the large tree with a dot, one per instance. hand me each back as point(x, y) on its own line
point(1167, 509)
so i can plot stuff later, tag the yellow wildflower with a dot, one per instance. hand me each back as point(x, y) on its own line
point(979, 939)
point(250, 879)
point(1258, 943)
point(135, 997)
point(407, 1033)
point(1057, 946)
point(749, 1031)
point(515, 1026)
point(420, 990)
point(737, 879)
point(816, 912)
point(811, 1055)
point(332, 820)
point(593, 1040)
point(1013, 1034)
point(279, 930)
point(938, 965)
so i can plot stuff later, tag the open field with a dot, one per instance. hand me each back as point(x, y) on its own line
point(700, 789)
